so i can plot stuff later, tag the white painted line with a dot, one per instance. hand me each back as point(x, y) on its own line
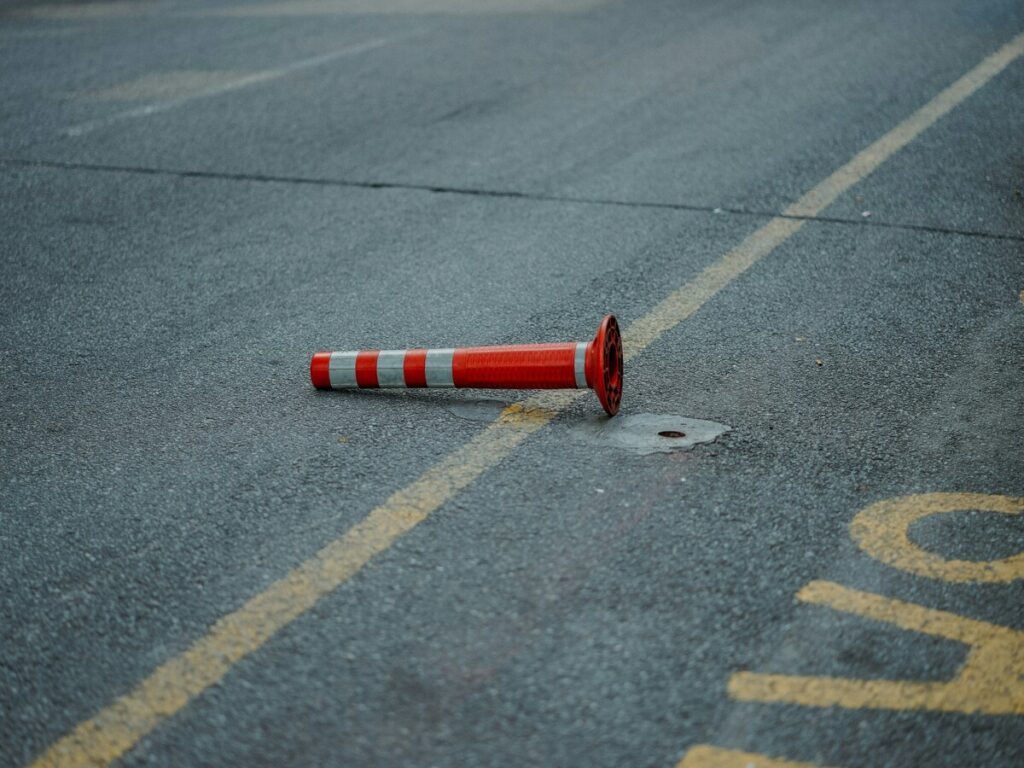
point(233, 85)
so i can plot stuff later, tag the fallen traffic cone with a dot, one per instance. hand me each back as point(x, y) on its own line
point(597, 365)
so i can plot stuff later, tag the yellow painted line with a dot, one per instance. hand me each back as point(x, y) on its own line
point(991, 680)
point(687, 299)
point(881, 530)
point(706, 756)
point(119, 726)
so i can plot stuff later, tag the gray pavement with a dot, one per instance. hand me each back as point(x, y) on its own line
point(177, 240)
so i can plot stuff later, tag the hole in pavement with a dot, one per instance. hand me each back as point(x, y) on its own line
point(671, 433)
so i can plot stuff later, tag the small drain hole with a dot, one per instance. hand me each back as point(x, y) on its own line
point(671, 433)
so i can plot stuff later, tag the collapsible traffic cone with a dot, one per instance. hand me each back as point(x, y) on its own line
point(597, 365)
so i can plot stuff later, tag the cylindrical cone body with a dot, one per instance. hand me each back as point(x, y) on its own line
point(524, 366)
point(596, 364)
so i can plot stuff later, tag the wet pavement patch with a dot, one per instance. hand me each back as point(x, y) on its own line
point(646, 433)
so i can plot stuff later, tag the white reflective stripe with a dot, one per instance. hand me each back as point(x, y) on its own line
point(581, 364)
point(343, 370)
point(439, 368)
point(391, 368)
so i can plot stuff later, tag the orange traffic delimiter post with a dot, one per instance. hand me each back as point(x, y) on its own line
point(596, 365)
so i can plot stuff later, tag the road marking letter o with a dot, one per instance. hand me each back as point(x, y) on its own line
point(881, 530)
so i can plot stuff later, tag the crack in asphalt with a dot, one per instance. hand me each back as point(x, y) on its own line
point(495, 193)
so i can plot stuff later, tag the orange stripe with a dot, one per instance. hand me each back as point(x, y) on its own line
point(416, 368)
point(366, 368)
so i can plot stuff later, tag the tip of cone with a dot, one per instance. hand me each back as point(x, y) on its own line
point(320, 370)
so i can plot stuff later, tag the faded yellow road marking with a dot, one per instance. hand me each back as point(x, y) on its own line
point(166, 85)
point(226, 86)
point(85, 11)
point(990, 681)
point(881, 531)
point(119, 726)
point(706, 756)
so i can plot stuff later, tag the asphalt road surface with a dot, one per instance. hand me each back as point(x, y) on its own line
point(809, 218)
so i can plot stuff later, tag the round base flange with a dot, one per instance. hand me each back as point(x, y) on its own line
point(605, 364)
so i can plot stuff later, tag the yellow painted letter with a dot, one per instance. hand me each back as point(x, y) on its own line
point(990, 682)
point(881, 531)
point(705, 756)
